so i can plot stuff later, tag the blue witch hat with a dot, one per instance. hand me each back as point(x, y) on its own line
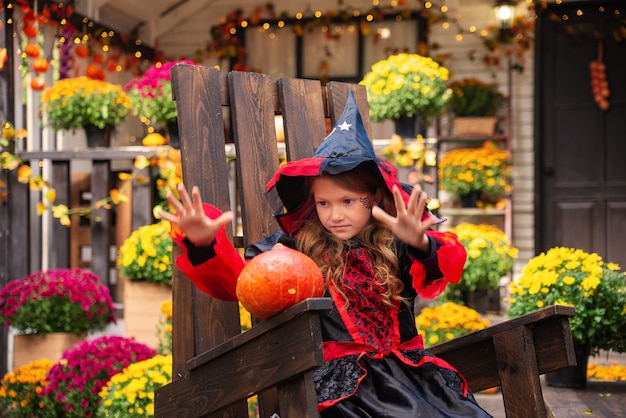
point(346, 147)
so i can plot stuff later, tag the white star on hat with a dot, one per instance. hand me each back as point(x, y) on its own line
point(345, 126)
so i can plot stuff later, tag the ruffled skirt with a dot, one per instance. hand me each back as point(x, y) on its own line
point(416, 385)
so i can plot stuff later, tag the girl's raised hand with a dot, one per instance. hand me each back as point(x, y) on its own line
point(407, 225)
point(189, 216)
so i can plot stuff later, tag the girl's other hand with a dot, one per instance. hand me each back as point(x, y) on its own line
point(189, 216)
point(407, 225)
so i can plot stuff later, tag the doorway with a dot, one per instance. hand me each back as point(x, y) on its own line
point(580, 178)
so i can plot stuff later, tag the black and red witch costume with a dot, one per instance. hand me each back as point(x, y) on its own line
point(375, 364)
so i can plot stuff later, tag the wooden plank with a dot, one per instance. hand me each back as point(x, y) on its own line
point(270, 358)
point(302, 106)
point(199, 321)
point(519, 374)
point(19, 230)
point(60, 252)
point(338, 96)
point(302, 389)
point(474, 355)
point(111, 153)
point(252, 98)
point(142, 200)
point(101, 222)
point(549, 312)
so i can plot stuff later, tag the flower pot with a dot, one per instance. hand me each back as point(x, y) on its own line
point(470, 200)
point(572, 377)
point(142, 309)
point(475, 126)
point(98, 137)
point(30, 347)
point(478, 300)
point(172, 129)
point(407, 126)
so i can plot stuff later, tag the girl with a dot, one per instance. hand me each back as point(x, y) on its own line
point(373, 243)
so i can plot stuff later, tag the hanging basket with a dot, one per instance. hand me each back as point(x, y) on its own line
point(475, 126)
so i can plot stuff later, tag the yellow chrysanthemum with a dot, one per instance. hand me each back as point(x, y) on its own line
point(406, 85)
point(573, 277)
point(146, 254)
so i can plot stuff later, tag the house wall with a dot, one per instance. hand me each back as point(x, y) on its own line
point(480, 14)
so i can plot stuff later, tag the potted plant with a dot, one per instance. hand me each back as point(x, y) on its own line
point(405, 85)
point(50, 305)
point(474, 104)
point(444, 322)
point(490, 257)
point(19, 389)
point(597, 289)
point(76, 380)
point(151, 97)
point(484, 170)
point(130, 393)
point(82, 102)
point(145, 262)
point(146, 254)
point(410, 158)
point(59, 300)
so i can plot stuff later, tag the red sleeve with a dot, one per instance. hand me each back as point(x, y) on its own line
point(448, 257)
point(218, 275)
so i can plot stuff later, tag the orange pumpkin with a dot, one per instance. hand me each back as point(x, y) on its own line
point(40, 65)
point(32, 50)
point(37, 84)
point(94, 72)
point(30, 31)
point(82, 50)
point(276, 280)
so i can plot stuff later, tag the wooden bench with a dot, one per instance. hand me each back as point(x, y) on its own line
point(215, 366)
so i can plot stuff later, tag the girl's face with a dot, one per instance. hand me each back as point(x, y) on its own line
point(343, 212)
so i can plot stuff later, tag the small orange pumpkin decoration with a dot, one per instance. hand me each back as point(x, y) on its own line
point(40, 65)
point(32, 50)
point(37, 84)
point(82, 50)
point(94, 72)
point(276, 280)
point(30, 31)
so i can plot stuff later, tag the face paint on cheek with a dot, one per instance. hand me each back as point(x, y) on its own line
point(366, 202)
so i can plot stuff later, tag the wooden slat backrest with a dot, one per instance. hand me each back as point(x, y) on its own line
point(203, 95)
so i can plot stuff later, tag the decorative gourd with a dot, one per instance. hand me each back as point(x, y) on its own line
point(32, 50)
point(40, 65)
point(276, 280)
point(37, 84)
point(82, 50)
point(154, 139)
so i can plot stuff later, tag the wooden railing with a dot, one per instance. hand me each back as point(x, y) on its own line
point(28, 244)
